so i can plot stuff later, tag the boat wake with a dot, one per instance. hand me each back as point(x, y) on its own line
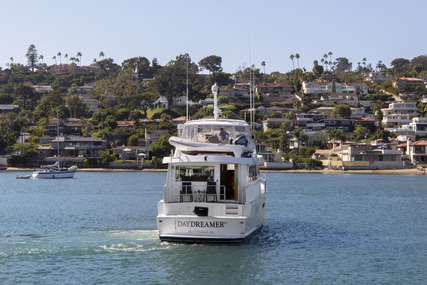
point(115, 241)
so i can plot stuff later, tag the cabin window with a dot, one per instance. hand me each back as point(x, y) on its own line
point(194, 173)
point(253, 172)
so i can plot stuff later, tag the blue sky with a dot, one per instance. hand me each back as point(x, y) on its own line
point(242, 32)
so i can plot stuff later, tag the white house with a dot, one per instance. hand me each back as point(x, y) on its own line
point(42, 88)
point(338, 98)
point(415, 151)
point(91, 103)
point(182, 101)
point(334, 87)
point(397, 113)
point(161, 102)
point(369, 156)
point(416, 126)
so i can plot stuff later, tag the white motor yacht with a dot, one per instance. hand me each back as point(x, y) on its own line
point(214, 190)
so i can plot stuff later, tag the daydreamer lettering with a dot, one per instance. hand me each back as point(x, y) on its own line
point(200, 224)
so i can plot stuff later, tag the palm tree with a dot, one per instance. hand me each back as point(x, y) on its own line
point(380, 65)
point(66, 56)
point(59, 55)
point(11, 60)
point(292, 58)
point(330, 56)
point(101, 54)
point(263, 64)
point(297, 56)
point(41, 58)
point(54, 57)
point(79, 54)
point(325, 56)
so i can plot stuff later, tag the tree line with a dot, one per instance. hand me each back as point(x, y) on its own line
point(123, 93)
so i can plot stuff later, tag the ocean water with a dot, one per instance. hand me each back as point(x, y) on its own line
point(100, 228)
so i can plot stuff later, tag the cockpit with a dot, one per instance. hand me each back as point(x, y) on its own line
point(213, 133)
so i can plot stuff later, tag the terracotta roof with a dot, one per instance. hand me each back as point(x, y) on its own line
point(125, 123)
point(266, 84)
point(365, 119)
point(421, 142)
point(323, 150)
point(410, 79)
point(179, 119)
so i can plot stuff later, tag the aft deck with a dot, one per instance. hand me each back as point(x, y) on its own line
point(196, 192)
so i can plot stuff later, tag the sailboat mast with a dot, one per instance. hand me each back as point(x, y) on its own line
point(57, 133)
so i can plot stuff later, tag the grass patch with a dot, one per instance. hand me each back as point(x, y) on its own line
point(151, 112)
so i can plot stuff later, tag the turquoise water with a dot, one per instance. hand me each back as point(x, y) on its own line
point(99, 228)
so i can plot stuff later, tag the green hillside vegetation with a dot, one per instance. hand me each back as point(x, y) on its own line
point(124, 94)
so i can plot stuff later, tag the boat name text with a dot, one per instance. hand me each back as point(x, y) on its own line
point(200, 224)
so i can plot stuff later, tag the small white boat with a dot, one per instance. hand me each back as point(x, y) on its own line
point(55, 172)
point(23, 176)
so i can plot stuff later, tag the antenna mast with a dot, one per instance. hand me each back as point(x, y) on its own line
point(187, 93)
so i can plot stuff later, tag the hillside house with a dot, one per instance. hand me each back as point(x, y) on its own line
point(337, 123)
point(5, 108)
point(154, 135)
point(71, 146)
point(408, 83)
point(367, 156)
point(378, 77)
point(337, 98)
point(416, 151)
point(311, 121)
point(274, 92)
point(318, 87)
point(397, 114)
point(417, 126)
point(68, 127)
point(91, 103)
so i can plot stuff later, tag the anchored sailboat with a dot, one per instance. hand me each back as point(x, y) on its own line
point(55, 171)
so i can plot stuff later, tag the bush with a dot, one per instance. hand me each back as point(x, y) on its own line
point(156, 161)
point(316, 162)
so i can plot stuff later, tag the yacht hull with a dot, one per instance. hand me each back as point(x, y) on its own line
point(207, 229)
point(54, 174)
